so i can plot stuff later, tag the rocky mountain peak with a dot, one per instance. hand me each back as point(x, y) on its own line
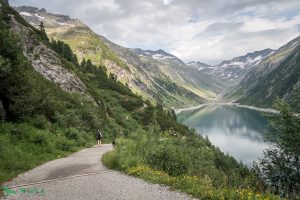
point(159, 54)
point(34, 16)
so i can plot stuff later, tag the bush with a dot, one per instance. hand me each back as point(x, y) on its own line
point(64, 145)
point(168, 159)
point(40, 139)
point(110, 160)
point(40, 122)
point(72, 134)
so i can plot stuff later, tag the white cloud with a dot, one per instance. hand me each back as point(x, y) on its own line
point(208, 31)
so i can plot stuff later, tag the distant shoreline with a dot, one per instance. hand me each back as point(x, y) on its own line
point(267, 110)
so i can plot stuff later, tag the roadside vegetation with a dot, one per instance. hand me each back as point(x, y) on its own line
point(193, 165)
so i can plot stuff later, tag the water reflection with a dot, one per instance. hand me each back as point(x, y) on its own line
point(237, 131)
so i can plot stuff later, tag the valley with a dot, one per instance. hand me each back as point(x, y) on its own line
point(162, 77)
point(191, 126)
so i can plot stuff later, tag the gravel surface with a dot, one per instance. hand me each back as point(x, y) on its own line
point(83, 176)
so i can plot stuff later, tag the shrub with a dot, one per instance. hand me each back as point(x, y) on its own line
point(40, 139)
point(110, 160)
point(40, 122)
point(168, 159)
point(72, 133)
point(64, 145)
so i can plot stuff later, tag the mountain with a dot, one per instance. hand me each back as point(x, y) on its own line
point(51, 107)
point(232, 71)
point(277, 75)
point(205, 68)
point(183, 74)
point(236, 68)
point(160, 77)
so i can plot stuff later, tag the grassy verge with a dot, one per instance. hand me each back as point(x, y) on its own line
point(188, 164)
point(24, 146)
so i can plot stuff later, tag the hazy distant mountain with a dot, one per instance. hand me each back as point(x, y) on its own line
point(165, 68)
point(180, 72)
point(277, 75)
point(236, 68)
point(232, 71)
point(201, 66)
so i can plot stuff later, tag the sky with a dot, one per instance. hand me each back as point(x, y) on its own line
point(209, 31)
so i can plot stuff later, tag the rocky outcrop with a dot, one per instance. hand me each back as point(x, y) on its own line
point(47, 62)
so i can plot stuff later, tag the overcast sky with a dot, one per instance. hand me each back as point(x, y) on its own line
point(201, 30)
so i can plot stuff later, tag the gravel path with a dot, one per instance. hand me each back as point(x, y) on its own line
point(83, 176)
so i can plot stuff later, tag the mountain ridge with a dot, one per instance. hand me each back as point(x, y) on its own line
point(232, 71)
point(276, 76)
point(152, 80)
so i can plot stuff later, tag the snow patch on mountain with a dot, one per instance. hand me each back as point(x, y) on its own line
point(40, 17)
point(26, 14)
point(161, 57)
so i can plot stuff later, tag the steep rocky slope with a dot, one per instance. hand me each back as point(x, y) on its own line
point(46, 61)
point(166, 82)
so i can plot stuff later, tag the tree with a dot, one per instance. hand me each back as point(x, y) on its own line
point(89, 66)
point(173, 114)
point(83, 64)
point(154, 127)
point(112, 76)
point(43, 32)
point(280, 165)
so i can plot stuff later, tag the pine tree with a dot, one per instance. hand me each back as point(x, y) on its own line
point(89, 66)
point(83, 64)
point(173, 114)
point(43, 32)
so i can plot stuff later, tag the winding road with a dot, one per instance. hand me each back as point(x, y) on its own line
point(83, 176)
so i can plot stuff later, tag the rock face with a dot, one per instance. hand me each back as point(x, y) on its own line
point(47, 62)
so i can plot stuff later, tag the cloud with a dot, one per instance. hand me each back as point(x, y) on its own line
point(208, 31)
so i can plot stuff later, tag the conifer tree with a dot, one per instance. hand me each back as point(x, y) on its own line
point(43, 32)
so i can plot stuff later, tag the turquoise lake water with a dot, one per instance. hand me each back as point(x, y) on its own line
point(239, 132)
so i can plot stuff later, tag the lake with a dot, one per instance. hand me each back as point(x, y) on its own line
point(240, 132)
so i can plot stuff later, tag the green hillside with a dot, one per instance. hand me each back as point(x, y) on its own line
point(87, 44)
point(41, 119)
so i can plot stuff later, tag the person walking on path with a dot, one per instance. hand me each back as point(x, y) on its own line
point(99, 137)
